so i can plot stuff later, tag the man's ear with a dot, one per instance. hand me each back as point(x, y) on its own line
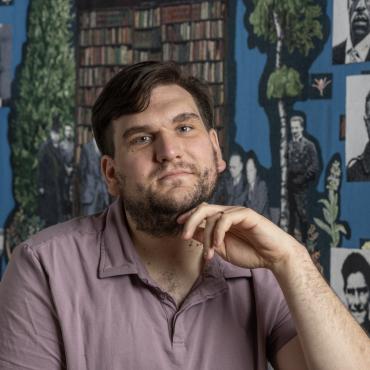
point(108, 169)
point(221, 164)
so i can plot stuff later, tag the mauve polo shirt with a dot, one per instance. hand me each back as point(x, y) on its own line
point(77, 296)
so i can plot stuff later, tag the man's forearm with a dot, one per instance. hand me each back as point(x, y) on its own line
point(330, 337)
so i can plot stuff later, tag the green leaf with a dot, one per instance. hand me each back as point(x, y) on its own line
point(322, 225)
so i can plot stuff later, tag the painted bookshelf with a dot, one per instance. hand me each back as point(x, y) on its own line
point(111, 35)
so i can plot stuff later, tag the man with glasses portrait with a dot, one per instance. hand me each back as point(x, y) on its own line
point(359, 167)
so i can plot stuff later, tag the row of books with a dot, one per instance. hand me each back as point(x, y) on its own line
point(152, 17)
point(194, 51)
point(105, 36)
point(106, 55)
point(83, 117)
point(106, 18)
point(86, 97)
point(211, 72)
point(192, 31)
point(96, 76)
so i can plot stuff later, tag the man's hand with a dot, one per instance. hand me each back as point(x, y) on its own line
point(239, 235)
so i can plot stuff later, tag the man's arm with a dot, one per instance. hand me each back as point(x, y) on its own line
point(330, 338)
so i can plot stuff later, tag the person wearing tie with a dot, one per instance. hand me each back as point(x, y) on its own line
point(356, 48)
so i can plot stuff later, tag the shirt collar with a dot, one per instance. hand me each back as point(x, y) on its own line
point(118, 255)
point(362, 48)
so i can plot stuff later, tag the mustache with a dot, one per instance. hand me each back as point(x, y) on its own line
point(361, 18)
point(179, 166)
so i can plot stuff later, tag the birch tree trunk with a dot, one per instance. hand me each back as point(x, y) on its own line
point(284, 209)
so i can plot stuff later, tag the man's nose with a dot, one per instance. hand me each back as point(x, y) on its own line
point(361, 4)
point(167, 147)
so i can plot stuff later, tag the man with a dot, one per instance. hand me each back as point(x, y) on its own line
point(359, 168)
point(94, 196)
point(357, 47)
point(303, 170)
point(140, 286)
point(356, 277)
point(67, 150)
point(256, 189)
point(235, 185)
point(51, 177)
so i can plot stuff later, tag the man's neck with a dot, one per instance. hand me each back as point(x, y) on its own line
point(173, 263)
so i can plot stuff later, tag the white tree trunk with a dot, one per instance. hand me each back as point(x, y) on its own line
point(284, 209)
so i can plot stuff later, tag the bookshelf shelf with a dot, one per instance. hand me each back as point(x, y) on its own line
point(190, 32)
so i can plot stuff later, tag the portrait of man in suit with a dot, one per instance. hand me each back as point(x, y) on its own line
point(358, 128)
point(355, 48)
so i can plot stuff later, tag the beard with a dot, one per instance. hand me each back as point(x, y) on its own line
point(156, 214)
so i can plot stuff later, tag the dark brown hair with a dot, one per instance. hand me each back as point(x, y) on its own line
point(129, 92)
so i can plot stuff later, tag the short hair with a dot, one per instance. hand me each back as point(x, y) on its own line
point(129, 92)
point(298, 118)
point(355, 262)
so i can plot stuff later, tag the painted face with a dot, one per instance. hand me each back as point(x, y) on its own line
point(357, 296)
point(54, 136)
point(68, 132)
point(359, 19)
point(235, 166)
point(296, 129)
point(166, 162)
point(251, 171)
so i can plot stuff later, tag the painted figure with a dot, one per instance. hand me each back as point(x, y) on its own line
point(359, 168)
point(93, 191)
point(235, 184)
point(303, 169)
point(356, 277)
point(256, 188)
point(51, 179)
point(356, 48)
point(67, 150)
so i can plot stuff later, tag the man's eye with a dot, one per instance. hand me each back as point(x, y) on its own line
point(185, 128)
point(141, 140)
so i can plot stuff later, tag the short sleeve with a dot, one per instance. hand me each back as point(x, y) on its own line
point(30, 337)
point(275, 324)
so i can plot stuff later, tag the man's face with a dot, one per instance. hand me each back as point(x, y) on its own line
point(359, 19)
point(68, 132)
point(251, 171)
point(165, 163)
point(357, 296)
point(235, 166)
point(54, 136)
point(367, 118)
point(296, 129)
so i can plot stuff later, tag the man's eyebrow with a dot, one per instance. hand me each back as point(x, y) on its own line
point(185, 116)
point(133, 130)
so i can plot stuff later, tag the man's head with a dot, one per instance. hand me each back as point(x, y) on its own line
point(296, 127)
point(55, 132)
point(251, 170)
point(159, 153)
point(68, 132)
point(129, 92)
point(367, 114)
point(359, 19)
point(356, 277)
point(235, 165)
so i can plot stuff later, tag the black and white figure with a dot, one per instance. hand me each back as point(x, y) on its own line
point(67, 147)
point(358, 128)
point(350, 278)
point(256, 188)
point(351, 33)
point(303, 170)
point(51, 179)
point(93, 191)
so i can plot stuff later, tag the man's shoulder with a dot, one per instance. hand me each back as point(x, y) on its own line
point(339, 53)
point(75, 232)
